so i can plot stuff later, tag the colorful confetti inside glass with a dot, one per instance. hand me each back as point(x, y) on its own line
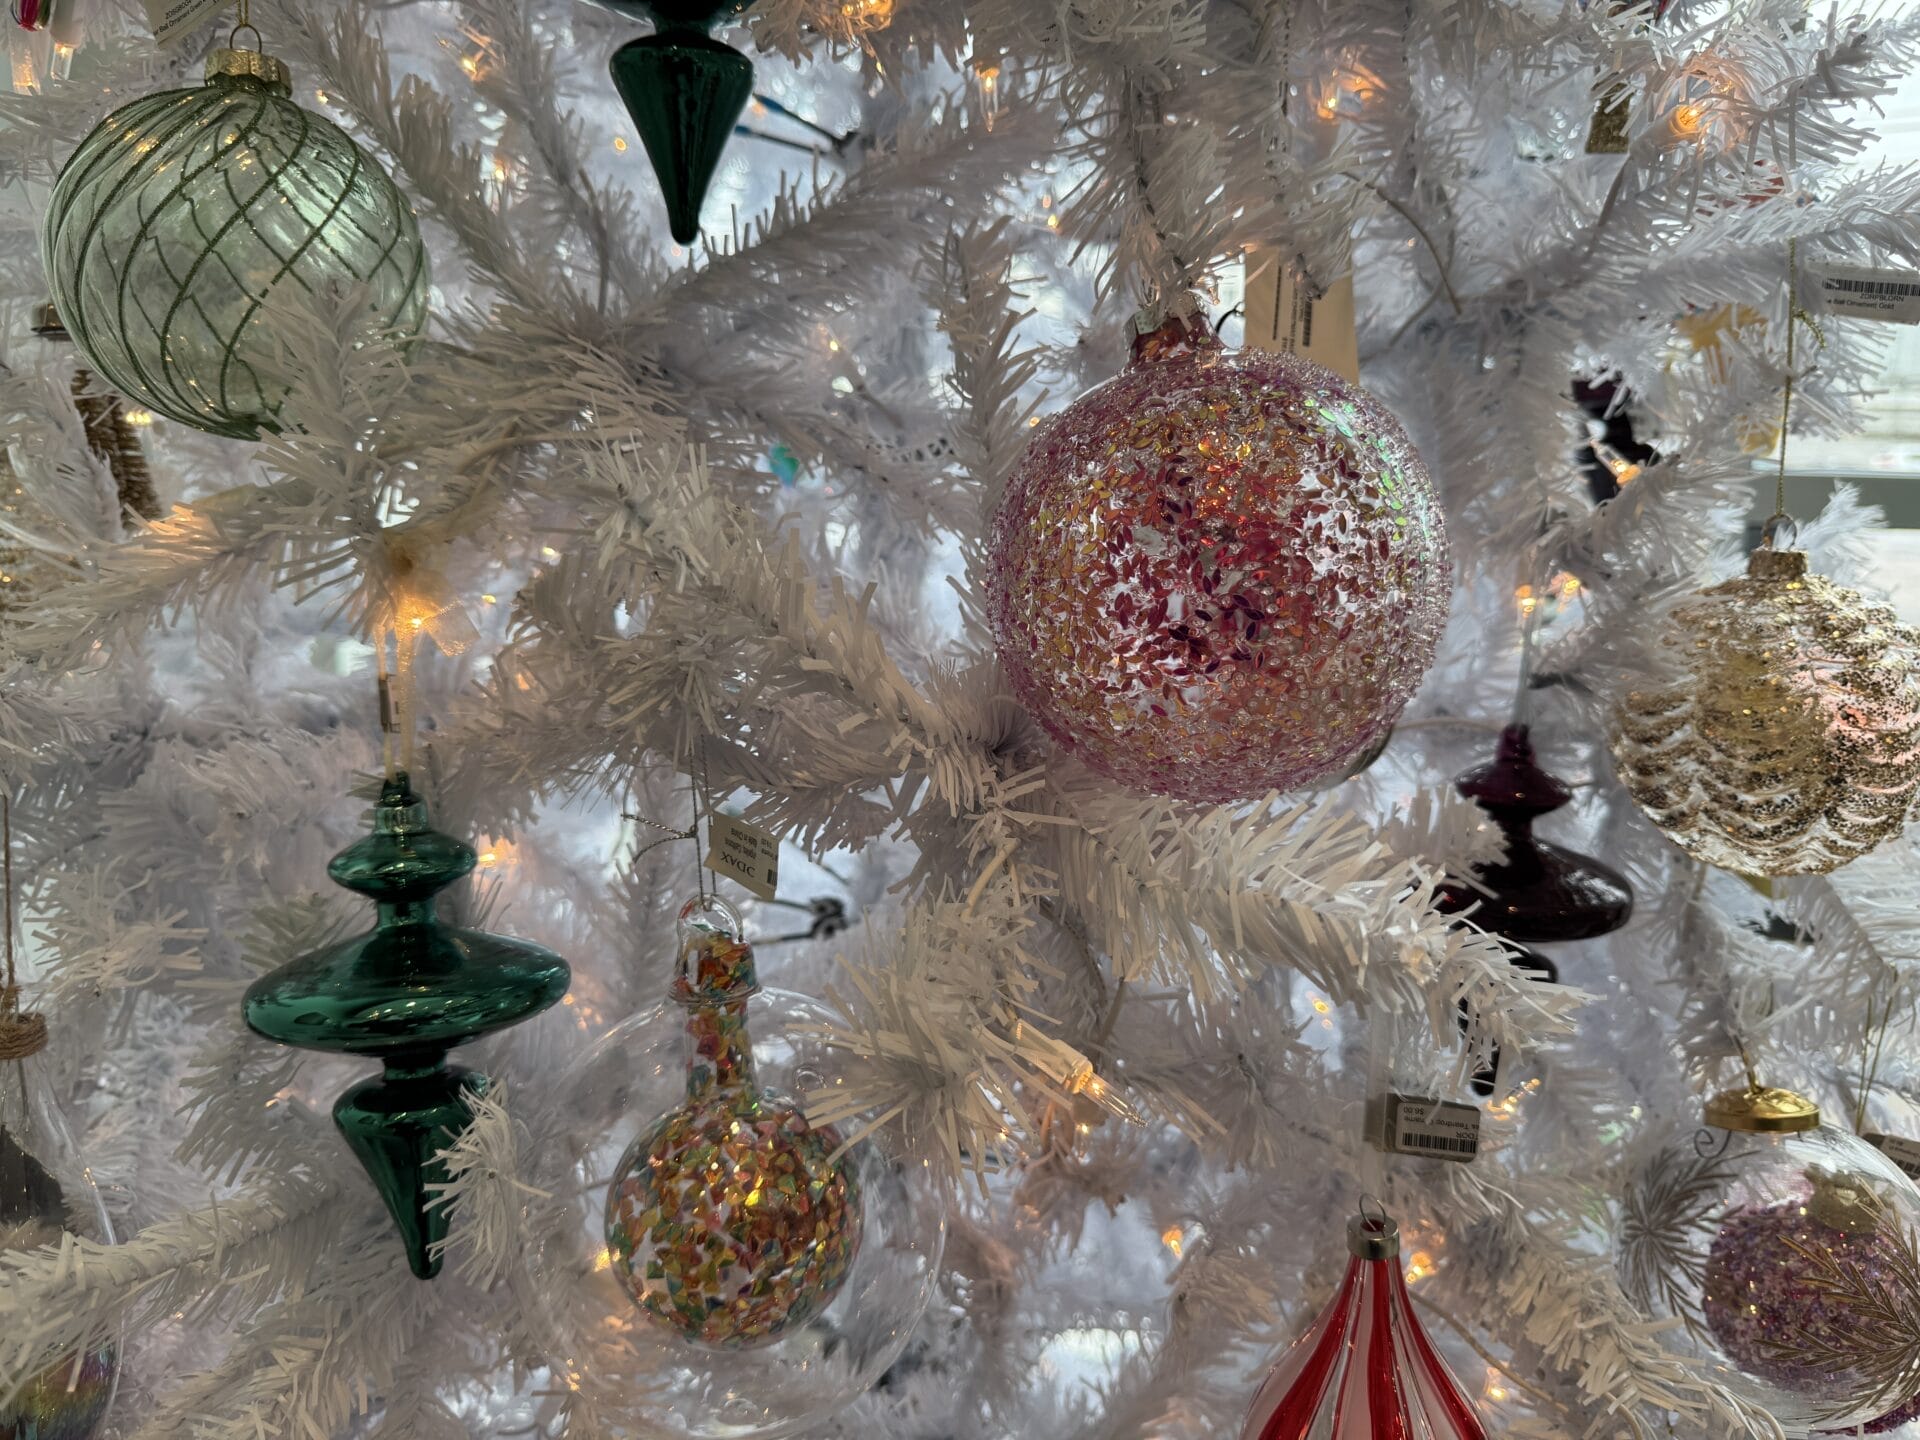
point(730, 1219)
point(48, 1198)
point(1220, 573)
point(63, 1402)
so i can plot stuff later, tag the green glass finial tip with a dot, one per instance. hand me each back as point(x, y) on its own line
point(685, 91)
point(407, 991)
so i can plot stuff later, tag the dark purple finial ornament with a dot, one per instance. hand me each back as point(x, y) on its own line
point(1542, 893)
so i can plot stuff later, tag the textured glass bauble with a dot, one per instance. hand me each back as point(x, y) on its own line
point(1789, 744)
point(191, 222)
point(1219, 573)
point(46, 1194)
point(1778, 1253)
point(784, 1354)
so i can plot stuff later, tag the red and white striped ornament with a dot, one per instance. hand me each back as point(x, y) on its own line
point(1366, 1369)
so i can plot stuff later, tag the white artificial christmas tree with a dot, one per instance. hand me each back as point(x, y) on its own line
point(704, 528)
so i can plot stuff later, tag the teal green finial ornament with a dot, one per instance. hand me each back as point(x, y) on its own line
point(685, 91)
point(406, 992)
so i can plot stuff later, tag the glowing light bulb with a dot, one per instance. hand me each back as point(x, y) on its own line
point(986, 79)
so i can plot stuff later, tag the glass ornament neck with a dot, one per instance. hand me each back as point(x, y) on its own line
point(1169, 335)
point(714, 978)
point(404, 862)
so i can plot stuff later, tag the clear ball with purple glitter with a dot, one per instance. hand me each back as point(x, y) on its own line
point(1779, 1253)
point(1220, 573)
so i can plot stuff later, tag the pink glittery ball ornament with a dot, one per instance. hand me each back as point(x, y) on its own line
point(1220, 573)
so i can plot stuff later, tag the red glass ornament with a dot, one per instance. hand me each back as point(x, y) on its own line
point(1366, 1367)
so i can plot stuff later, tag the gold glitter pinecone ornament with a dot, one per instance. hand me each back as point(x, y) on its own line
point(1791, 744)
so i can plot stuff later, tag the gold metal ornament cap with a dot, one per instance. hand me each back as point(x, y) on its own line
point(225, 64)
point(1770, 564)
point(46, 322)
point(1762, 1110)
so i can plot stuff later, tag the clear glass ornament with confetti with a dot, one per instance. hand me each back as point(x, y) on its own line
point(1220, 573)
point(1788, 740)
point(1787, 1250)
point(731, 1269)
point(47, 1195)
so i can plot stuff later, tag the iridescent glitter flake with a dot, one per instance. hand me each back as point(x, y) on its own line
point(731, 1219)
point(1791, 743)
point(1220, 573)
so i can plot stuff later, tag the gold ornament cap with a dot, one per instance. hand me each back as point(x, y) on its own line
point(46, 322)
point(226, 64)
point(1769, 564)
point(1762, 1110)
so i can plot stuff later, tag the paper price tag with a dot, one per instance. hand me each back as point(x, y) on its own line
point(1439, 1128)
point(744, 853)
point(170, 20)
point(1903, 1153)
point(1872, 294)
point(1284, 314)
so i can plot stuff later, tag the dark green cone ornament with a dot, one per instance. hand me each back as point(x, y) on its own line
point(407, 992)
point(685, 91)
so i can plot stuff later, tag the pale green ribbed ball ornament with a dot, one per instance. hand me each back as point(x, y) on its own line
point(190, 222)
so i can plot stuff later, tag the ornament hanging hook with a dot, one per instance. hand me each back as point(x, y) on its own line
point(244, 21)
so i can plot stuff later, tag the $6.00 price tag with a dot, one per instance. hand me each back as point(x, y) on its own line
point(1440, 1128)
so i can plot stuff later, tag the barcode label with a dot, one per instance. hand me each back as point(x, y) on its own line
point(1903, 1153)
point(1875, 287)
point(1872, 294)
point(1440, 1128)
point(1283, 313)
